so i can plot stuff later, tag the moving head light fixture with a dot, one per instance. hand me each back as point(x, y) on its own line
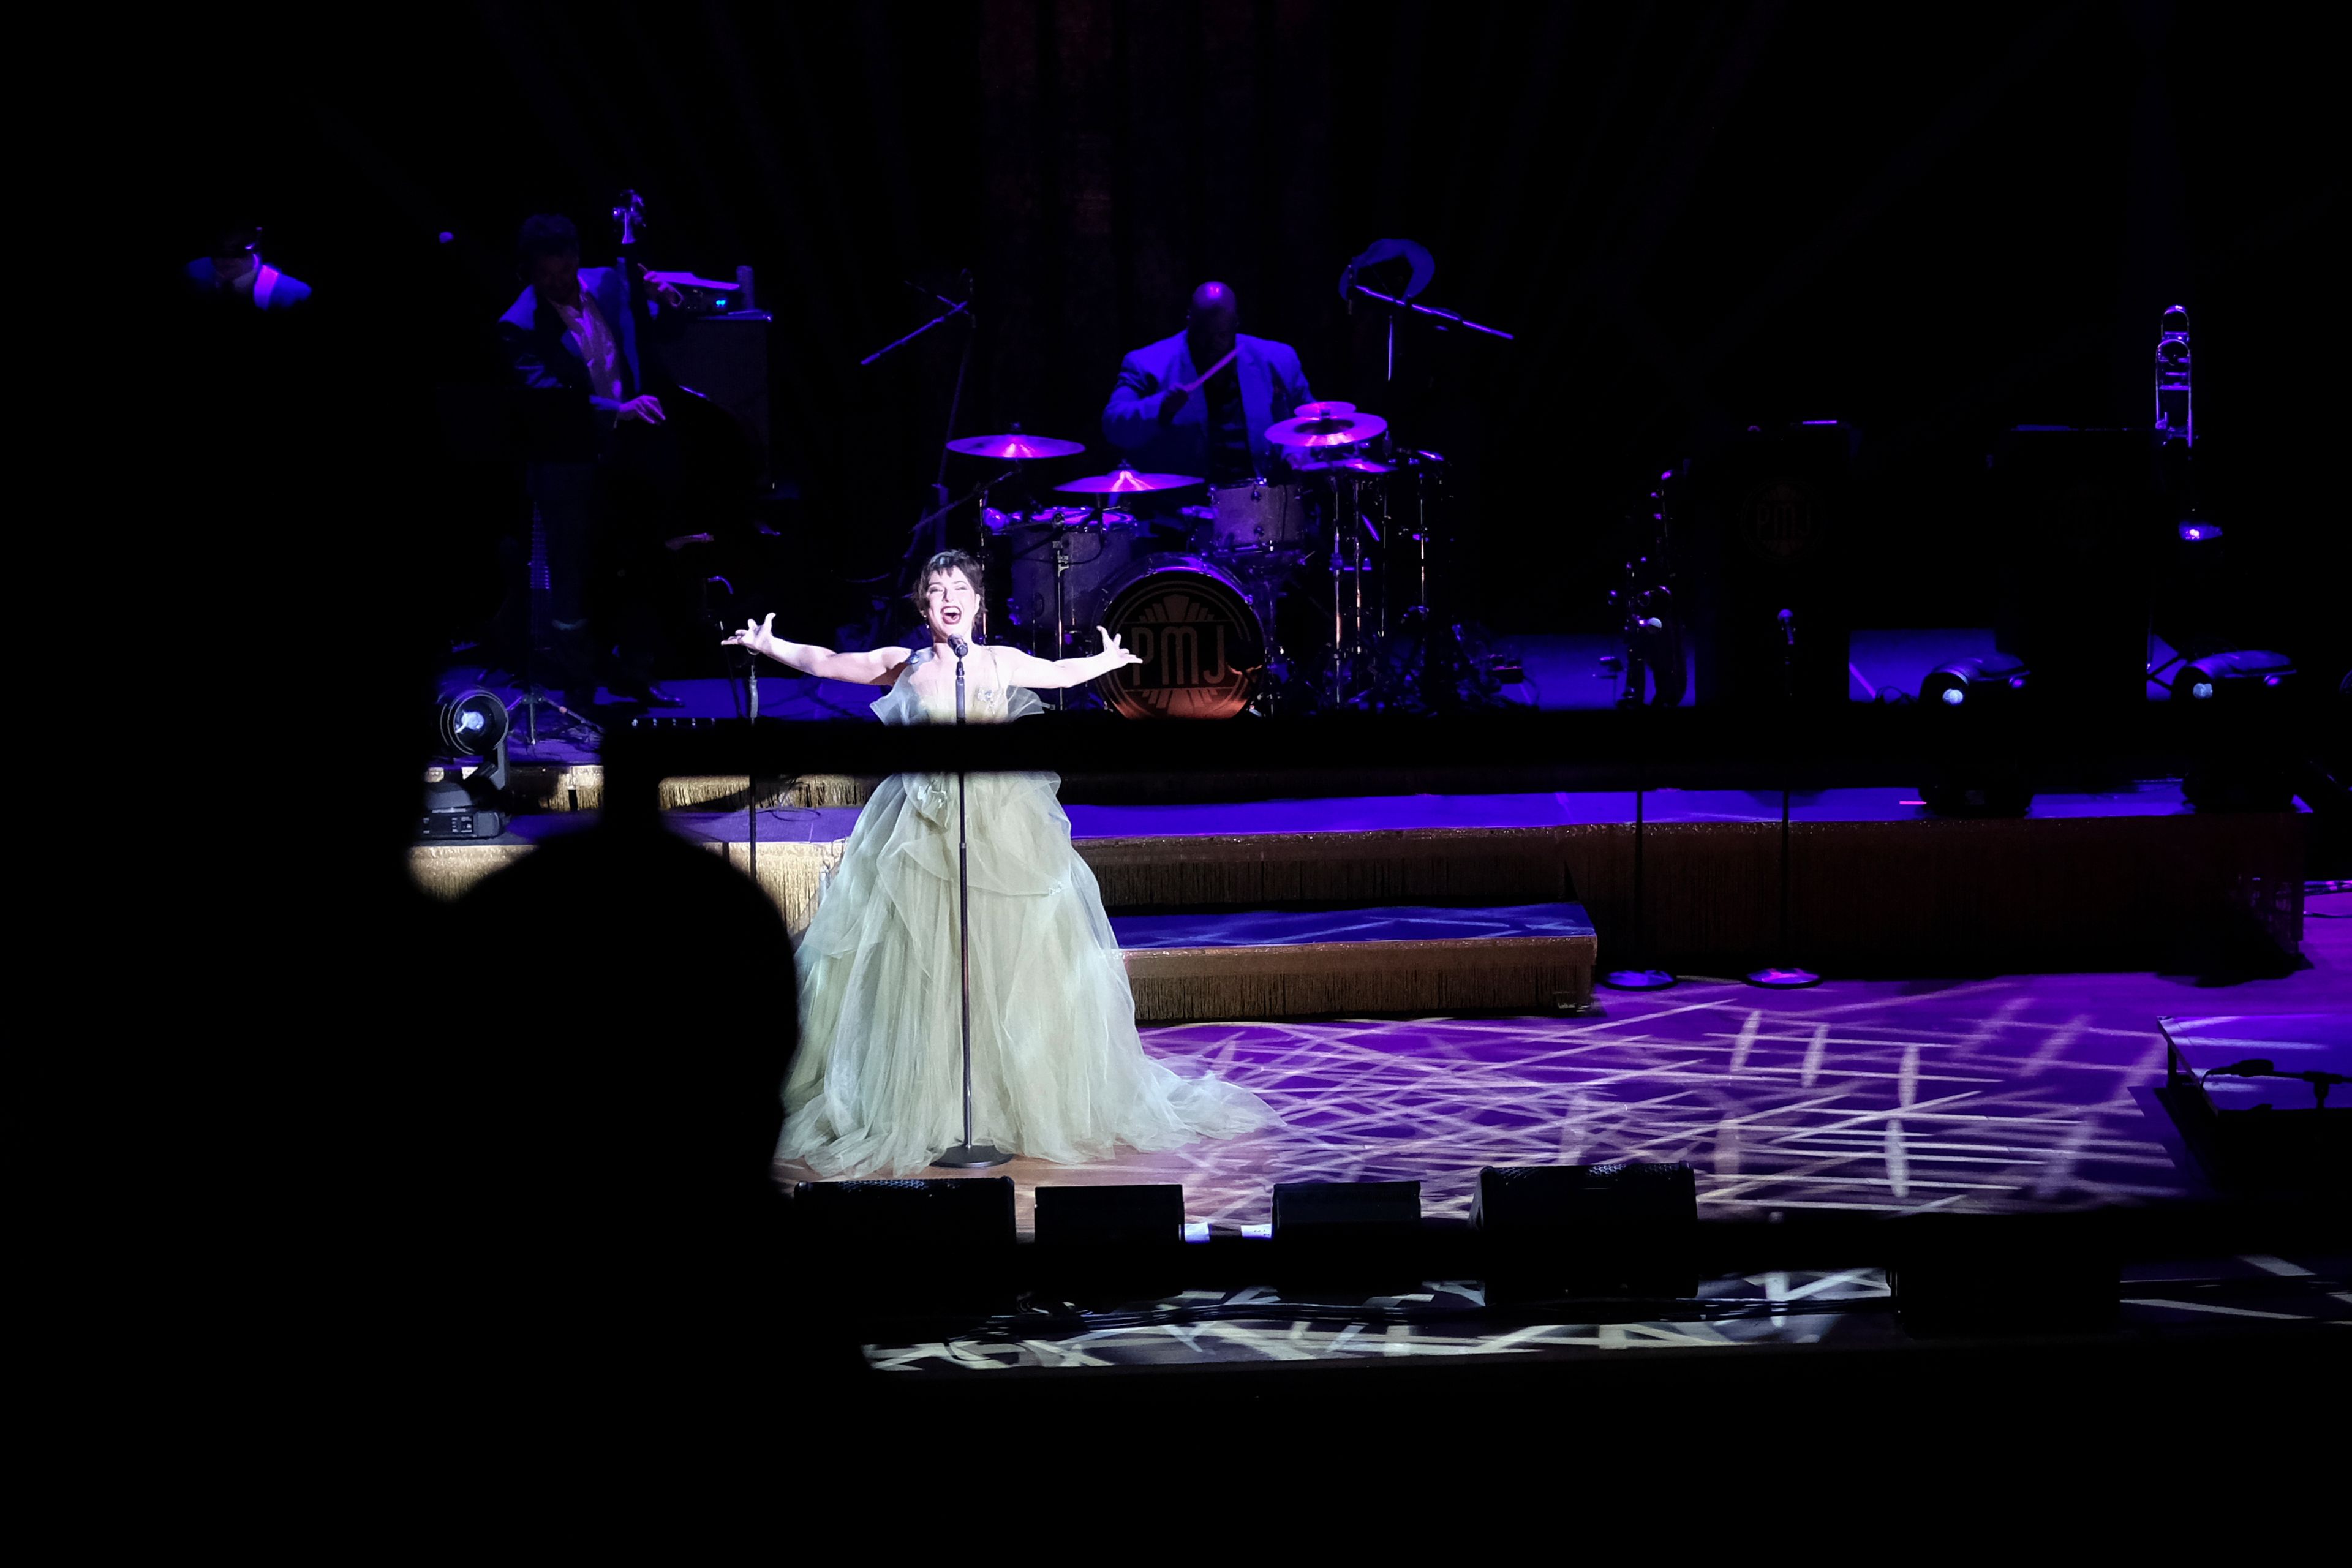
point(1964, 781)
point(468, 723)
point(2251, 675)
point(1996, 678)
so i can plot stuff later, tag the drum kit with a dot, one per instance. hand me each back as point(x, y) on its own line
point(1285, 594)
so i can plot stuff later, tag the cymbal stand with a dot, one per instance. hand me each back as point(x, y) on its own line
point(1060, 602)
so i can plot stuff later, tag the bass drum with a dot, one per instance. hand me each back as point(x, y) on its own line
point(1202, 646)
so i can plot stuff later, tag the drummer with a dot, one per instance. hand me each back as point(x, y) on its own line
point(1199, 403)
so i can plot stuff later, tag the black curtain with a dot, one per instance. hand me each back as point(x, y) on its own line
point(1934, 223)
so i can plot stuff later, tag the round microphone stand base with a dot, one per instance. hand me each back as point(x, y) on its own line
point(971, 1157)
point(1637, 980)
point(1773, 977)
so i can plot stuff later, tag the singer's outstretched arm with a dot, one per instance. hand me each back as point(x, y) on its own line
point(1045, 675)
point(876, 666)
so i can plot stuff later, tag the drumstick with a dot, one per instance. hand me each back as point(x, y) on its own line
point(1196, 386)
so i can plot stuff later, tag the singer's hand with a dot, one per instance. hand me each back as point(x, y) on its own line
point(760, 637)
point(645, 406)
point(1114, 656)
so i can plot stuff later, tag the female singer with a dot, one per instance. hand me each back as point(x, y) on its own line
point(1057, 1070)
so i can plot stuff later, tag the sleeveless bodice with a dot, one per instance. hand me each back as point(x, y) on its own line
point(986, 699)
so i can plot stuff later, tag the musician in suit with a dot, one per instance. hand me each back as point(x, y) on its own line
point(577, 329)
point(235, 274)
point(1165, 418)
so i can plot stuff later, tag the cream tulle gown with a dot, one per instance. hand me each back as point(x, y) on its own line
point(1057, 1070)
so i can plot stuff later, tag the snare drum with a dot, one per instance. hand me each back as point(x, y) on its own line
point(1202, 646)
point(1257, 517)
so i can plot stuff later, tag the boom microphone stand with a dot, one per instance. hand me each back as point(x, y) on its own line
point(966, 1155)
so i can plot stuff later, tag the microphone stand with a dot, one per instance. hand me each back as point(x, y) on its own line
point(966, 1155)
point(1784, 975)
point(1640, 975)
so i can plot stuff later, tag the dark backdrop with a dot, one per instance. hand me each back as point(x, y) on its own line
point(1932, 222)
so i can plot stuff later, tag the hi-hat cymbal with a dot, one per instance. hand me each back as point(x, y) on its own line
point(1321, 410)
point(1331, 430)
point(1017, 447)
point(1126, 481)
point(1363, 467)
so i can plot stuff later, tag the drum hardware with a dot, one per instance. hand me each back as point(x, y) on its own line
point(1654, 643)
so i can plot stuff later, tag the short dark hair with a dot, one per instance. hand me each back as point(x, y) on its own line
point(546, 234)
point(939, 565)
point(236, 239)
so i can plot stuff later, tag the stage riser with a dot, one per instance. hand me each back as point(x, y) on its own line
point(1537, 989)
point(1923, 897)
point(581, 787)
point(1507, 975)
point(791, 874)
point(2047, 894)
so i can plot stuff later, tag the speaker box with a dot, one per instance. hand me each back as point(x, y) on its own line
point(906, 1248)
point(2001, 1274)
point(1111, 1242)
point(1622, 1229)
point(1363, 1237)
point(2076, 520)
point(724, 358)
point(1769, 525)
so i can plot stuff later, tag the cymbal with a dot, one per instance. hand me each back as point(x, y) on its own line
point(1332, 430)
point(1321, 410)
point(1364, 466)
point(1017, 447)
point(1126, 481)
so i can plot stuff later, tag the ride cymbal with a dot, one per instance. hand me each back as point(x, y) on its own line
point(1126, 481)
point(1020, 449)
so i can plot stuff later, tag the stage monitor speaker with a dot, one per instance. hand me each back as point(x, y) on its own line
point(1625, 1229)
point(1769, 525)
point(1111, 1242)
point(1111, 1216)
point(724, 358)
point(907, 1248)
point(2003, 1274)
point(1358, 1236)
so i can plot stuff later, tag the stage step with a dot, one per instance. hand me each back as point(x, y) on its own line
point(2117, 881)
point(1278, 963)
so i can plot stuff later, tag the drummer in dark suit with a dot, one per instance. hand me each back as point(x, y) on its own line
point(1166, 418)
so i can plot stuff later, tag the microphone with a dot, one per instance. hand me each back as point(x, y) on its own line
point(960, 647)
